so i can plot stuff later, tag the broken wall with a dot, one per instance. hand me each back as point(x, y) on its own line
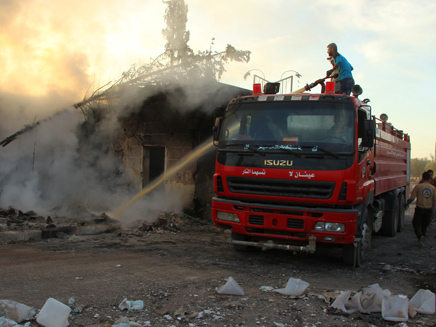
point(159, 135)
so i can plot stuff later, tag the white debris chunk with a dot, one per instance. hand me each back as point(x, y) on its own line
point(342, 302)
point(131, 305)
point(372, 297)
point(16, 311)
point(423, 302)
point(231, 287)
point(53, 314)
point(5, 322)
point(395, 308)
point(294, 287)
point(367, 301)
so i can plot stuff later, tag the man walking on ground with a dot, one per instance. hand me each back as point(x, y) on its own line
point(431, 177)
point(425, 195)
point(432, 182)
point(345, 76)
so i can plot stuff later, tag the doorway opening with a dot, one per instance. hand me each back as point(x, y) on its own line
point(153, 163)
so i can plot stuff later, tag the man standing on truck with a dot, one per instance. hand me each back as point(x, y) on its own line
point(335, 75)
point(425, 195)
point(345, 76)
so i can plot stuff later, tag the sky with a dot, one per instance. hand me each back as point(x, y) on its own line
point(55, 53)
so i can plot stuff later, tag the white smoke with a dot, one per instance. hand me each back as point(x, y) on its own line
point(60, 168)
point(65, 165)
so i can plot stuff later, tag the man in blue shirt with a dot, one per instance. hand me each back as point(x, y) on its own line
point(344, 68)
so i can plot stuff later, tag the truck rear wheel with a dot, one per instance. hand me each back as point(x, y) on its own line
point(239, 247)
point(390, 220)
point(401, 214)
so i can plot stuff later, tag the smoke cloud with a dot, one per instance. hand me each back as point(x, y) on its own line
point(62, 168)
point(52, 53)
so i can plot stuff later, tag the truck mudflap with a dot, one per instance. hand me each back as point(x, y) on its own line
point(270, 244)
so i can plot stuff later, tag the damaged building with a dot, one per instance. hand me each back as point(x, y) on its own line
point(166, 129)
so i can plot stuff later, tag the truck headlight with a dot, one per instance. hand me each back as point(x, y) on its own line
point(329, 227)
point(227, 216)
point(335, 227)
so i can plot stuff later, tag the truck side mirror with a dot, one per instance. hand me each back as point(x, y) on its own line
point(368, 134)
point(219, 114)
point(216, 129)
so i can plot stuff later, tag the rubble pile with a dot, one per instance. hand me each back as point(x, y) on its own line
point(16, 225)
point(13, 219)
point(165, 221)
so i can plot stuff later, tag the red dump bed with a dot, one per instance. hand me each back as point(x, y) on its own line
point(392, 158)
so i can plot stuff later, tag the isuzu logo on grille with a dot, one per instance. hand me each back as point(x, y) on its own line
point(272, 162)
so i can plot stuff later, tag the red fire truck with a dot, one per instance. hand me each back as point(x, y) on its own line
point(300, 170)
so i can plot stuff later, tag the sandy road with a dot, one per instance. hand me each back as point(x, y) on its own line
point(176, 275)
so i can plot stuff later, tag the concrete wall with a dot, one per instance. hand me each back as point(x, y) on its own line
point(158, 124)
point(180, 130)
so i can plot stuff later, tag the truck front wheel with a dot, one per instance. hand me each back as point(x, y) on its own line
point(354, 254)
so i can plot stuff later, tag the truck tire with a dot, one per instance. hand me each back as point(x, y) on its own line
point(241, 248)
point(390, 220)
point(401, 214)
point(354, 254)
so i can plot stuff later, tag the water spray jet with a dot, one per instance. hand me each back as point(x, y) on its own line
point(199, 152)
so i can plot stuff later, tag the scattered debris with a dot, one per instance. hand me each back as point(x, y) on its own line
point(373, 300)
point(5, 322)
point(423, 302)
point(294, 287)
point(53, 314)
point(74, 307)
point(193, 300)
point(392, 307)
point(131, 305)
point(162, 311)
point(12, 137)
point(165, 221)
point(391, 268)
point(395, 308)
point(231, 288)
point(266, 288)
point(366, 301)
point(125, 322)
point(16, 311)
point(16, 225)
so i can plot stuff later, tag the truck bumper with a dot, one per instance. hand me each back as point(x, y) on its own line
point(270, 244)
point(281, 225)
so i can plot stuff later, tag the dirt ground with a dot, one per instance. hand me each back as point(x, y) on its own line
point(176, 274)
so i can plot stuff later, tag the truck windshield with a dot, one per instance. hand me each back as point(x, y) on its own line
point(306, 126)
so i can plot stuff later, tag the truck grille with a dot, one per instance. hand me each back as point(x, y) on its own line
point(295, 223)
point(280, 187)
point(255, 220)
point(291, 223)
